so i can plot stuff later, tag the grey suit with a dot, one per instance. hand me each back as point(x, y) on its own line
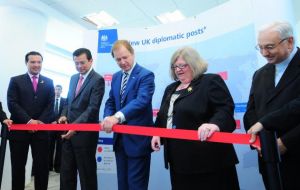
point(78, 153)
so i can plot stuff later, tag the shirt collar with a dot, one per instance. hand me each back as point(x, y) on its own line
point(286, 62)
point(86, 74)
point(129, 72)
point(30, 75)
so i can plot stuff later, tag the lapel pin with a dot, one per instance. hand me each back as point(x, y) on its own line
point(42, 82)
point(189, 89)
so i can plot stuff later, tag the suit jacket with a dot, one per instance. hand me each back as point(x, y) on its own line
point(276, 107)
point(61, 106)
point(84, 108)
point(206, 100)
point(138, 107)
point(25, 104)
point(2, 114)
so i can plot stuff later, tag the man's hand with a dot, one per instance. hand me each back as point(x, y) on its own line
point(34, 122)
point(108, 123)
point(8, 122)
point(281, 147)
point(63, 120)
point(68, 135)
point(254, 130)
point(155, 143)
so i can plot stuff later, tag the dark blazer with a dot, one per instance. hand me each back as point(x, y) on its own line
point(137, 109)
point(276, 107)
point(206, 100)
point(288, 114)
point(62, 103)
point(84, 108)
point(25, 104)
point(2, 114)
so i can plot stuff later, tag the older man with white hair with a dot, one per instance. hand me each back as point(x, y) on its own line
point(274, 102)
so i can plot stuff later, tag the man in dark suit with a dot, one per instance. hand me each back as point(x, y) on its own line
point(83, 103)
point(55, 140)
point(273, 97)
point(30, 99)
point(3, 117)
point(129, 103)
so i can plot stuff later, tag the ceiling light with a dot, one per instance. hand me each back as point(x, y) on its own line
point(101, 19)
point(170, 17)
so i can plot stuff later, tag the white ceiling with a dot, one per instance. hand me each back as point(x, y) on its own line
point(130, 13)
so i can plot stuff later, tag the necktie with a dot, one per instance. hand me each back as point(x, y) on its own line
point(123, 87)
point(56, 111)
point(79, 84)
point(34, 82)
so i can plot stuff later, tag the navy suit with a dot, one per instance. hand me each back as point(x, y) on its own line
point(25, 104)
point(2, 117)
point(79, 152)
point(2, 114)
point(55, 142)
point(133, 152)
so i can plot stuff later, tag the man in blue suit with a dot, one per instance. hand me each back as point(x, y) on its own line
point(129, 103)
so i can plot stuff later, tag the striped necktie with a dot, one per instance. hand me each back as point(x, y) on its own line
point(123, 87)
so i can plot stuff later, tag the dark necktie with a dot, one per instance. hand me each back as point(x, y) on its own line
point(123, 87)
point(56, 110)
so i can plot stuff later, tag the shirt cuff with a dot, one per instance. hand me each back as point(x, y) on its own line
point(121, 116)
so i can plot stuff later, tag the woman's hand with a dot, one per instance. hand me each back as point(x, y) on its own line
point(155, 143)
point(206, 130)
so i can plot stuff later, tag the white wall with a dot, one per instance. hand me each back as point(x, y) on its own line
point(27, 26)
point(22, 30)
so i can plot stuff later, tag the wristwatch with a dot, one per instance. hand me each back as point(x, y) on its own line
point(118, 118)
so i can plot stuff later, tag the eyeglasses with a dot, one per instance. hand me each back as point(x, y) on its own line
point(180, 66)
point(269, 47)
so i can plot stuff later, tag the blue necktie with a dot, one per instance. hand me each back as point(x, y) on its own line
point(123, 87)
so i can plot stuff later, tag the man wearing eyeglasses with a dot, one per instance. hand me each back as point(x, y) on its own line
point(272, 101)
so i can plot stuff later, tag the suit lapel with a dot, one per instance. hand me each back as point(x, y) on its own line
point(85, 83)
point(190, 89)
point(132, 79)
point(291, 72)
point(28, 82)
point(269, 80)
point(73, 85)
point(117, 87)
point(41, 84)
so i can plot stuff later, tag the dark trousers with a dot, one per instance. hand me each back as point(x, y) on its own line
point(290, 176)
point(55, 143)
point(133, 172)
point(225, 179)
point(40, 155)
point(81, 159)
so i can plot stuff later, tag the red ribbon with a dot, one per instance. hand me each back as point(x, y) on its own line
point(221, 137)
